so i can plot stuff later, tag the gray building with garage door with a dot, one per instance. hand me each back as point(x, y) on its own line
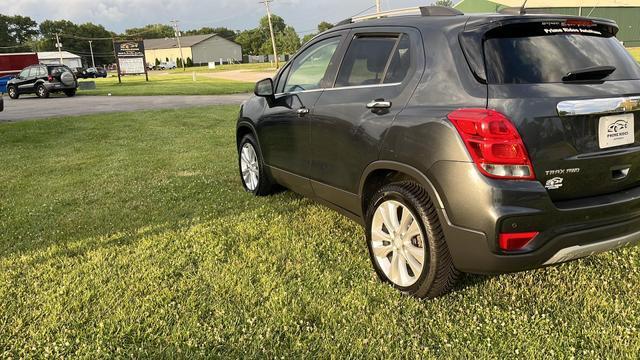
point(201, 49)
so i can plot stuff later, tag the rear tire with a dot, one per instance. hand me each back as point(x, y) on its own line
point(42, 92)
point(70, 93)
point(406, 243)
point(253, 174)
point(13, 92)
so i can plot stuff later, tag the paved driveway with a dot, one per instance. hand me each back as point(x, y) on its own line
point(28, 107)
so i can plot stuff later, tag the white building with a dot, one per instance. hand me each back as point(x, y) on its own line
point(53, 57)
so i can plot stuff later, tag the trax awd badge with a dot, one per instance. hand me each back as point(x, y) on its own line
point(558, 182)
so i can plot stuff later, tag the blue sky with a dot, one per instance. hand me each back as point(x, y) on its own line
point(118, 15)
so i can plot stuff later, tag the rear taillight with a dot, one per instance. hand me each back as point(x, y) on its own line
point(494, 143)
point(50, 78)
point(516, 241)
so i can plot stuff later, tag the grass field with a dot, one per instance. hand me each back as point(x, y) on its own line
point(128, 235)
point(246, 67)
point(167, 85)
point(635, 52)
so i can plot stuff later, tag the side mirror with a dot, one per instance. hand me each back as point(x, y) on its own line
point(264, 88)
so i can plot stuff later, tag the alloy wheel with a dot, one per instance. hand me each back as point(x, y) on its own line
point(397, 243)
point(249, 167)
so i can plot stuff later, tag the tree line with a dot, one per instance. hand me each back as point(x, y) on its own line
point(23, 34)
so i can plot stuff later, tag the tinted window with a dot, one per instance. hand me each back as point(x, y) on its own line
point(546, 53)
point(366, 60)
point(57, 70)
point(310, 67)
point(33, 72)
point(400, 63)
point(282, 80)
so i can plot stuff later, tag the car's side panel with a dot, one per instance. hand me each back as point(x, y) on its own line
point(346, 136)
point(422, 135)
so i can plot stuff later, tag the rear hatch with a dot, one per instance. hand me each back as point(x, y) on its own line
point(573, 92)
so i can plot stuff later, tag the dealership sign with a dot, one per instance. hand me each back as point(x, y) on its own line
point(130, 54)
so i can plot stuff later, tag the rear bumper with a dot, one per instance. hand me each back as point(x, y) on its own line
point(59, 86)
point(568, 231)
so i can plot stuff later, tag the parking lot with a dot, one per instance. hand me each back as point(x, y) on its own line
point(31, 107)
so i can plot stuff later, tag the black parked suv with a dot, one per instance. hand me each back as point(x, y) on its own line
point(43, 80)
point(463, 143)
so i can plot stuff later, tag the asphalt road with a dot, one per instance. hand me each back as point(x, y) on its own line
point(30, 107)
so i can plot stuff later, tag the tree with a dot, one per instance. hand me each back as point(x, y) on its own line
point(447, 3)
point(75, 39)
point(322, 27)
point(288, 41)
point(189, 62)
point(17, 32)
point(258, 41)
point(252, 41)
point(220, 31)
point(151, 31)
point(278, 24)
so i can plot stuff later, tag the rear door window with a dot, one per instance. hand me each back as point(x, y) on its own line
point(367, 60)
point(400, 62)
point(547, 52)
point(33, 72)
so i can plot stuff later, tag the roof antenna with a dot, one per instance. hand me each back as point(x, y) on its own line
point(522, 8)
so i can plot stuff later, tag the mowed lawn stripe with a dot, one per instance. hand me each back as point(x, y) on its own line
point(128, 235)
point(159, 84)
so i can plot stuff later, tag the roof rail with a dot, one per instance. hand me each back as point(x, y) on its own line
point(417, 10)
point(513, 11)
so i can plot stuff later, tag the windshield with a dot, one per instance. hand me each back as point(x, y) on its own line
point(548, 52)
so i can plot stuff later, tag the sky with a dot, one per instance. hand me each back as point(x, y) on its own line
point(118, 15)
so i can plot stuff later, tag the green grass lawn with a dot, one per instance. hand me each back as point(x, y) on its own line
point(128, 235)
point(178, 84)
point(247, 67)
point(635, 52)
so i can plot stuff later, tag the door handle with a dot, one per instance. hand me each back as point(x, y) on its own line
point(379, 104)
point(303, 111)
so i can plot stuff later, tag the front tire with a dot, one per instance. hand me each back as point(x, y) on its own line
point(13, 92)
point(42, 92)
point(252, 170)
point(406, 243)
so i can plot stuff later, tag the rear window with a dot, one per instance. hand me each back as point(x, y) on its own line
point(57, 70)
point(546, 52)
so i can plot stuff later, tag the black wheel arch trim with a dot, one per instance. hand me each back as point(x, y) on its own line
point(403, 168)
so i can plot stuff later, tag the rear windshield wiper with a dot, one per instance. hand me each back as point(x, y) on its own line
point(590, 73)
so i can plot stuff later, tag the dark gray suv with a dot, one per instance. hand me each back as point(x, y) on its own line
point(485, 143)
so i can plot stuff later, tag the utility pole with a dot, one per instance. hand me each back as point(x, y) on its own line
point(115, 55)
point(59, 46)
point(273, 38)
point(378, 7)
point(93, 61)
point(177, 30)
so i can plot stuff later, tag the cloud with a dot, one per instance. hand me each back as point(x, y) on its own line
point(118, 15)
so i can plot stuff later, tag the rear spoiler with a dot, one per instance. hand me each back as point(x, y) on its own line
point(476, 32)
